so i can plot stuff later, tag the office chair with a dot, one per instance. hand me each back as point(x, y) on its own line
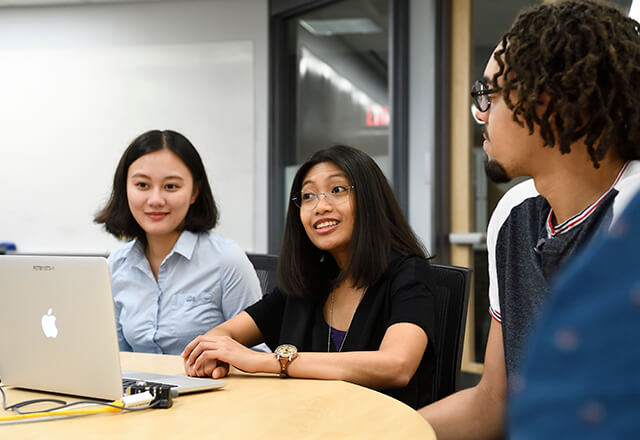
point(265, 266)
point(452, 285)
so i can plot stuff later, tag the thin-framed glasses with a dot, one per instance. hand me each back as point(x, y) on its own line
point(473, 115)
point(309, 199)
point(480, 95)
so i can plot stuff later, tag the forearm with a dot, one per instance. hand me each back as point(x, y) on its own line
point(218, 331)
point(372, 369)
point(476, 412)
point(241, 328)
point(391, 366)
point(471, 413)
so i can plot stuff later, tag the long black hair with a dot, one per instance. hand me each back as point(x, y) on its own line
point(116, 216)
point(380, 229)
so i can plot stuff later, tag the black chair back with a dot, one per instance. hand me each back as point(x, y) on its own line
point(452, 285)
point(265, 266)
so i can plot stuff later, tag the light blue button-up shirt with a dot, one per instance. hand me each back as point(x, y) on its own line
point(205, 280)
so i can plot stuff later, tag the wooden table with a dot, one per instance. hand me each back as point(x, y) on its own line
point(251, 406)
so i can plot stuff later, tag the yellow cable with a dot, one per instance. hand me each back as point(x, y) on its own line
point(71, 412)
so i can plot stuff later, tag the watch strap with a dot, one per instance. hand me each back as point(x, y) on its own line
point(284, 364)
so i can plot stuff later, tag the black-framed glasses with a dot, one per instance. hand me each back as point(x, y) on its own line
point(480, 95)
point(309, 199)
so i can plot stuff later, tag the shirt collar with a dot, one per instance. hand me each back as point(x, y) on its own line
point(135, 254)
point(574, 221)
point(184, 246)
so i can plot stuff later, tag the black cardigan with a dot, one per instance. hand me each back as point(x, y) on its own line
point(402, 294)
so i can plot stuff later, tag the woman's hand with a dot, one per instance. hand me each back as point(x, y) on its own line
point(211, 355)
point(209, 368)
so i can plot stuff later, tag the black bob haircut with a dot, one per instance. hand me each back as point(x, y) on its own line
point(585, 57)
point(380, 229)
point(116, 216)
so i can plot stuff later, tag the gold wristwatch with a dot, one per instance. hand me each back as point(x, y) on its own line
point(285, 353)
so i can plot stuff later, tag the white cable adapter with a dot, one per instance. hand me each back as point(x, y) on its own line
point(140, 399)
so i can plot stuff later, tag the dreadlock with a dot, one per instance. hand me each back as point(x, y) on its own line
point(584, 56)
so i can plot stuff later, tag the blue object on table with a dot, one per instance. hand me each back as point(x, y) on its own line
point(7, 246)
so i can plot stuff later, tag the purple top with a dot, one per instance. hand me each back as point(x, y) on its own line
point(337, 336)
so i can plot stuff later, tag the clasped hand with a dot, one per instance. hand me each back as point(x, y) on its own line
point(210, 356)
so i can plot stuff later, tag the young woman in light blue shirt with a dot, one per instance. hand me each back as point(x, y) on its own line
point(176, 279)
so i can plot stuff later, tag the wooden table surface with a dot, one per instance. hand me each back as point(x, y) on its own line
point(251, 406)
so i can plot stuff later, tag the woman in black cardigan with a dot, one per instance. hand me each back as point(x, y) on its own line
point(354, 301)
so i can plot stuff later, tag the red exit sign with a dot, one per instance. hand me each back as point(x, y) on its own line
point(377, 115)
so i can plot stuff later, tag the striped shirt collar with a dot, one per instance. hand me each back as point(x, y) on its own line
point(574, 221)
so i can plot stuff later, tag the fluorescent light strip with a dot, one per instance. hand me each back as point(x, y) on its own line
point(309, 62)
point(340, 26)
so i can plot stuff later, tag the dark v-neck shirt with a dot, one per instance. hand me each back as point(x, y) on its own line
point(403, 294)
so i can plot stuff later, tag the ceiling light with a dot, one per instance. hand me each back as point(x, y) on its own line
point(340, 26)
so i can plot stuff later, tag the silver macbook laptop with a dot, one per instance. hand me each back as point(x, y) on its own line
point(58, 332)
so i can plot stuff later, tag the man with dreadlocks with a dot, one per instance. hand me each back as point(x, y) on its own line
point(560, 102)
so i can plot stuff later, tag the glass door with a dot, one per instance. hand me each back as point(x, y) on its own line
point(332, 84)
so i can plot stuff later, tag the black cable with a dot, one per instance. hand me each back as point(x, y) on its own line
point(15, 407)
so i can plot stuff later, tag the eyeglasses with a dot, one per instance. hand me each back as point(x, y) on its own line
point(309, 200)
point(480, 95)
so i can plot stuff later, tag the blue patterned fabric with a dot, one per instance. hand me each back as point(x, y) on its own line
point(581, 375)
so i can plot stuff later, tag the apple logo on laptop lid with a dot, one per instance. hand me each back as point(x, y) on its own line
point(49, 325)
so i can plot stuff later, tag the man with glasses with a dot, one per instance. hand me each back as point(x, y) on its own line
point(558, 102)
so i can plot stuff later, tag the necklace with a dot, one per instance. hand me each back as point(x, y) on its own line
point(333, 296)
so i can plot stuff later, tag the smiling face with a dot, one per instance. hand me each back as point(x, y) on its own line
point(511, 150)
point(159, 192)
point(328, 224)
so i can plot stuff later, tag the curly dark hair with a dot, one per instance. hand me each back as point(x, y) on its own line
point(584, 56)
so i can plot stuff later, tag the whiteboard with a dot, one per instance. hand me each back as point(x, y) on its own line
point(67, 114)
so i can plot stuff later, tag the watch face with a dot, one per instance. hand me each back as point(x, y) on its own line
point(286, 350)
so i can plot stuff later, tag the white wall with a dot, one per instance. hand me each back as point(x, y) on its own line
point(79, 82)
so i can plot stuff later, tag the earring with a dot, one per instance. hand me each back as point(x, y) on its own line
point(322, 258)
